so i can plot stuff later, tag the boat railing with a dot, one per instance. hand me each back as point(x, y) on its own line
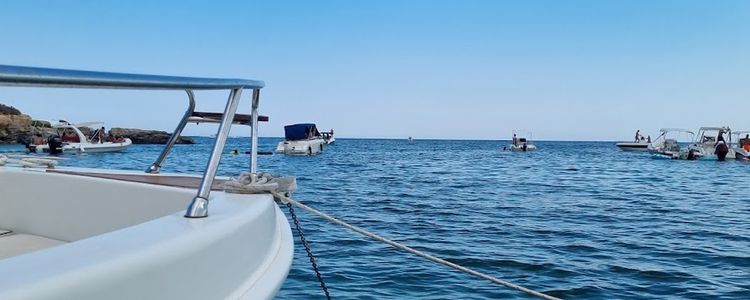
point(61, 78)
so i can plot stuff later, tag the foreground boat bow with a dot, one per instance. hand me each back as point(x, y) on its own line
point(94, 234)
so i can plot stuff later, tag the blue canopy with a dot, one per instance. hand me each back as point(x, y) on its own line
point(301, 131)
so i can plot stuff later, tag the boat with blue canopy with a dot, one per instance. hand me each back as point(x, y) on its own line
point(301, 139)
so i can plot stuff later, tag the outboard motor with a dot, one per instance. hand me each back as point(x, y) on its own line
point(721, 151)
point(55, 144)
point(26, 142)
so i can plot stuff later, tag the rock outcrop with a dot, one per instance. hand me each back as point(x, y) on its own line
point(141, 136)
point(15, 126)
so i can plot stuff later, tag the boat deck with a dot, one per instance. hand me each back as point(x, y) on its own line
point(14, 244)
point(156, 179)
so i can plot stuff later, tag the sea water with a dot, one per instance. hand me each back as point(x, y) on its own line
point(579, 220)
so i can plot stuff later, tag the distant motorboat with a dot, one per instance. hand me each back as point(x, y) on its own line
point(73, 140)
point(741, 148)
point(520, 144)
point(328, 137)
point(709, 141)
point(641, 145)
point(301, 139)
point(668, 145)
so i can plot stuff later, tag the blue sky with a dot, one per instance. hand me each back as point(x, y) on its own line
point(564, 70)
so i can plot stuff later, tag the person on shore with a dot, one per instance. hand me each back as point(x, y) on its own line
point(637, 135)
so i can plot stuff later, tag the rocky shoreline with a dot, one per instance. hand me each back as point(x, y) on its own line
point(15, 126)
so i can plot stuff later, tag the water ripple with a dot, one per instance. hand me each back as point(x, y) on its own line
point(575, 220)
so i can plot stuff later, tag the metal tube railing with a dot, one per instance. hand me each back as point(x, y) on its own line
point(254, 138)
point(199, 207)
point(46, 77)
point(156, 166)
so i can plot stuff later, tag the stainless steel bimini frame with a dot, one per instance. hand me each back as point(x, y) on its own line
point(60, 78)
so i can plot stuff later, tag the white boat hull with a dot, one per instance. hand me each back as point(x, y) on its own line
point(301, 147)
point(89, 147)
point(128, 240)
point(741, 154)
point(708, 151)
point(520, 148)
point(633, 146)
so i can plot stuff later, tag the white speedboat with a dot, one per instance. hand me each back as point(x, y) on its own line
point(641, 145)
point(520, 144)
point(301, 139)
point(73, 140)
point(741, 147)
point(708, 139)
point(328, 137)
point(673, 143)
point(92, 234)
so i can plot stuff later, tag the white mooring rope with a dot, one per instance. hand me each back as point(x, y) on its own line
point(281, 197)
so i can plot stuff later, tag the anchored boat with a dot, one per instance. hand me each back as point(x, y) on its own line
point(520, 144)
point(742, 147)
point(673, 143)
point(73, 140)
point(129, 236)
point(714, 143)
point(640, 145)
point(328, 137)
point(301, 139)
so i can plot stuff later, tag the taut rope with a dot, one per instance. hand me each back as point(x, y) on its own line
point(280, 187)
point(411, 250)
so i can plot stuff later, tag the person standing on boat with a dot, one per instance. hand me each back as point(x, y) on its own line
point(637, 135)
point(515, 140)
point(648, 139)
point(100, 135)
point(720, 138)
